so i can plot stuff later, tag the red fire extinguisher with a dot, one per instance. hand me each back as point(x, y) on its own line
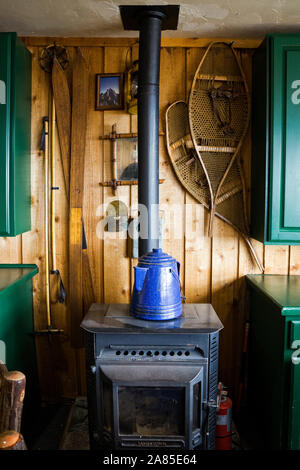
point(224, 420)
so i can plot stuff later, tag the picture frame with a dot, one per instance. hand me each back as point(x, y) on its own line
point(109, 91)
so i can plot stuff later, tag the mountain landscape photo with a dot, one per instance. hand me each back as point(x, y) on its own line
point(109, 98)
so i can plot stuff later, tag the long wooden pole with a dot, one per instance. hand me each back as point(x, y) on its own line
point(53, 241)
point(46, 218)
point(45, 146)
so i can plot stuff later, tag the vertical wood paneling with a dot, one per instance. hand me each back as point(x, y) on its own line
point(171, 193)
point(117, 277)
point(246, 264)
point(276, 259)
point(225, 249)
point(133, 189)
point(93, 174)
point(11, 249)
point(197, 242)
point(212, 269)
point(294, 265)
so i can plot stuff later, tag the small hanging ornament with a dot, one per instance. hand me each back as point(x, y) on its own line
point(132, 88)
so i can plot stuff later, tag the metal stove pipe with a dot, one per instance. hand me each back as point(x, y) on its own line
point(156, 291)
point(148, 125)
point(149, 21)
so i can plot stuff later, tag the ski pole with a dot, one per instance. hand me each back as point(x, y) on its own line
point(45, 147)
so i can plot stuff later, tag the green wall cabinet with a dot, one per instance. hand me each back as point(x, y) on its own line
point(275, 208)
point(274, 359)
point(15, 119)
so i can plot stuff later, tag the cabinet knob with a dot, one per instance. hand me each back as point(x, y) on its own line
point(296, 354)
point(296, 357)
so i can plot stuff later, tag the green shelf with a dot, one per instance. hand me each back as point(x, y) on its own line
point(283, 291)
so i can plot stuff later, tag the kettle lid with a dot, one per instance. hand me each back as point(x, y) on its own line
point(156, 257)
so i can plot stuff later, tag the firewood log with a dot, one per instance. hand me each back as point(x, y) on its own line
point(3, 370)
point(12, 391)
point(12, 440)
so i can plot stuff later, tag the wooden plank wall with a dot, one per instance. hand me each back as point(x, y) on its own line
point(212, 269)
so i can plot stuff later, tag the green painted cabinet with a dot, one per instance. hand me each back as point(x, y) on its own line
point(15, 118)
point(17, 343)
point(275, 208)
point(274, 359)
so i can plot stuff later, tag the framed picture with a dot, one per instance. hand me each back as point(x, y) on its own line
point(109, 91)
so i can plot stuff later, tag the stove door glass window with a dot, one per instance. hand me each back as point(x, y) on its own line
point(151, 411)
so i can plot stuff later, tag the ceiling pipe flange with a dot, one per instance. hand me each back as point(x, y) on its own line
point(131, 15)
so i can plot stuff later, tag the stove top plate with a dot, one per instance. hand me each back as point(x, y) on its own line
point(198, 318)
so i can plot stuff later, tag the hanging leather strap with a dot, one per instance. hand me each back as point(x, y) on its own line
point(62, 290)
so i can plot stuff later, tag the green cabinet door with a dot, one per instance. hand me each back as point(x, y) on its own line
point(284, 208)
point(294, 412)
point(294, 419)
point(5, 82)
point(275, 210)
point(15, 118)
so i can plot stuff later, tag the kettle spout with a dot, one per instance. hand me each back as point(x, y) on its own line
point(139, 277)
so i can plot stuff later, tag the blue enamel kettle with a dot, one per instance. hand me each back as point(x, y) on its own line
point(156, 291)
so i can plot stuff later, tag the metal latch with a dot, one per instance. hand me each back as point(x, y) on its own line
point(296, 354)
point(2, 92)
point(210, 404)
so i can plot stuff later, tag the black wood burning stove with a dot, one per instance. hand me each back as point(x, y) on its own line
point(152, 384)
